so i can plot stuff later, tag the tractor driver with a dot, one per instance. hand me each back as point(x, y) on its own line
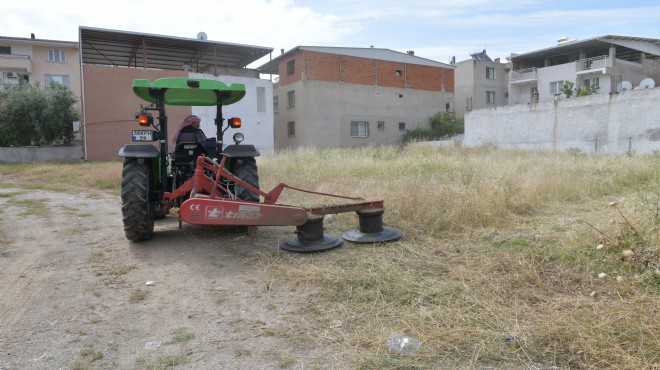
point(190, 125)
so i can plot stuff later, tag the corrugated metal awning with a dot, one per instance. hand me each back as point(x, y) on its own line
point(139, 50)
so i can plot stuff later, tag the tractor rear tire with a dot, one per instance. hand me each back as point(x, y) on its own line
point(246, 170)
point(136, 210)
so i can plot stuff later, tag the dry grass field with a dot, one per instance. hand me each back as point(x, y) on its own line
point(509, 259)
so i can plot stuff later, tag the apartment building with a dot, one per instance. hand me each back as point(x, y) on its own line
point(480, 83)
point(40, 62)
point(614, 63)
point(344, 97)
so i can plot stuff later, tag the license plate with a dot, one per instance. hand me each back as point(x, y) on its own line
point(140, 135)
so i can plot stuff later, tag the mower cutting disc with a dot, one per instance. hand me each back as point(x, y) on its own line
point(371, 228)
point(386, 235)
point(295, 244)
point(310, 237)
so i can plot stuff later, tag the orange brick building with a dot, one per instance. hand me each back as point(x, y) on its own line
point(339, 97)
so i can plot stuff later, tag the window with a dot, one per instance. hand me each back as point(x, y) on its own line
point(5, 49)
point(276, 103)
point(402, 126)
point(556, 87)
point(261, 99)
point(398, 72)
point(56, 55)
point(291, 128)
point(290, 67)
point(490, 73)
point(490, 97)
point(381, 125)
point(587, 83)
point(291, 95)
point(62, 80)
point(359, 129)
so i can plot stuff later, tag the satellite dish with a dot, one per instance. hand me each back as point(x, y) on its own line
point(202, 36)
point(647, 83)
point(624, 86)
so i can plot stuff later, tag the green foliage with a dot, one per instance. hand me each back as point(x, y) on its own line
point(443, 125)
point(587, 90)
point(575, 152)
point(33, 116)
point(567, 89)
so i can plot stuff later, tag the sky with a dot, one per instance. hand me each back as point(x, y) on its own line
point(433, 29)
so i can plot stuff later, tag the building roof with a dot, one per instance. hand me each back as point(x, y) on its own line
point(372, 53)
point(628, 47)
point(35, 41)
point(131, 49)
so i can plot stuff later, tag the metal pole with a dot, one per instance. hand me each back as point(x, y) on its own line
point(162, 123)
point(219, 134)
point(83, 101)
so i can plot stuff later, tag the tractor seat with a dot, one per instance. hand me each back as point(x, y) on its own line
point(187, 149)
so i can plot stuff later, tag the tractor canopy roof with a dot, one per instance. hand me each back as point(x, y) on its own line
point(188, 91)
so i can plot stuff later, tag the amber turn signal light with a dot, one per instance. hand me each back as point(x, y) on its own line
point(234, 122)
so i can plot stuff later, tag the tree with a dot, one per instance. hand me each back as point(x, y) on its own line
point(33, 116)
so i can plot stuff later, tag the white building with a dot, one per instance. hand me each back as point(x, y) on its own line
point(614, 63)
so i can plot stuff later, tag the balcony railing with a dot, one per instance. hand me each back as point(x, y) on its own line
point(528, 74)
point(14, 56)
point(16, 62)
point(592, 64)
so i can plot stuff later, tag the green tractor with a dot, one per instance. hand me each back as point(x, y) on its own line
point(150, 172)
point(216, 185)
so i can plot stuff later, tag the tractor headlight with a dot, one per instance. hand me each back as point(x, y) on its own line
point(238, 137)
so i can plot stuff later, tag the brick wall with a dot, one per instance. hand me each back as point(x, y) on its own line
point(364, 71)
point(285, 78)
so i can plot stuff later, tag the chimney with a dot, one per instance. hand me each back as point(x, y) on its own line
point(282, 51)
point(453, 60)
point(497, 60)
point(411, 52)
point(32, 36)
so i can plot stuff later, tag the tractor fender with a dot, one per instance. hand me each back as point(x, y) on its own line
point(241, 151)
point(139, 151)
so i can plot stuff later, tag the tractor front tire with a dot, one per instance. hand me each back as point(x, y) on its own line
point(135, 207)
point(246, 170)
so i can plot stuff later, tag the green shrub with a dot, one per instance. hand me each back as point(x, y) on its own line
point(33, 116)
point(443, 125)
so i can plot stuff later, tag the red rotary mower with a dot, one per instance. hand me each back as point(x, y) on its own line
point(212, 184)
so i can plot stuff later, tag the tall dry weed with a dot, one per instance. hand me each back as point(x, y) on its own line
point(509, 259)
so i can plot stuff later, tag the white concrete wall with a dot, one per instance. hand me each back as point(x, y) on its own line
point(329, 109)
point(33, 154)
point(324, 111)
point(547, 75)
point(612, 124)
point(257, 126)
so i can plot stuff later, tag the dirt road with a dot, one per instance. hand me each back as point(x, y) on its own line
point(74, 292)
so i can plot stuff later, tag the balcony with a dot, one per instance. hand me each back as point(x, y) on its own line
point(596, 65)
point(15, 62)
point(523, 76)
